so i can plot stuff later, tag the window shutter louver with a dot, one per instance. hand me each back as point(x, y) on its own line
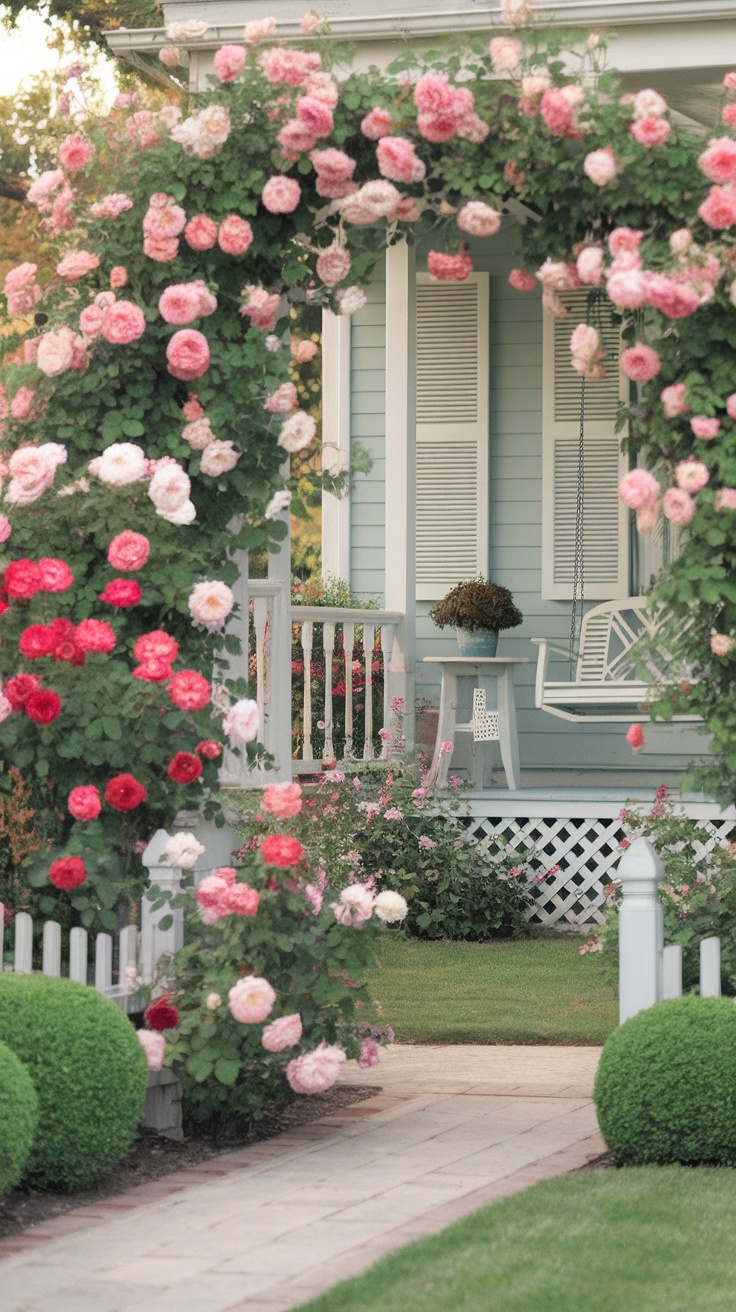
point(605, 526)
point(452, 433)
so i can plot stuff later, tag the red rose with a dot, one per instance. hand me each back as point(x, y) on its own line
point(189, 690)
point(124, 793)
point(37, 640)
point(184, 768)
point(161, 1015)
point(209, 748)
point(42, 706)
point(153, 670)
point(67, 872)
point(3, 606)
point(22, 578)
point(56, 575)
point(281, 850)
point(156, 646)
point(84, 802)
point(95, 635)
point(66, 647)
point(19, 689)
point(122, 592)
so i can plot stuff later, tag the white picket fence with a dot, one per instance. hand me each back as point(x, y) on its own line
point(648, 971)
point(118, 974)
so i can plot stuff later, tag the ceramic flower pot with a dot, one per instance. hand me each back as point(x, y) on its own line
point(481, 642)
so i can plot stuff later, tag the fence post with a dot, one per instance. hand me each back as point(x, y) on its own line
point(154, 941)
point(23, 955)
point(710, 967)
point(641, 935)
point(672, 971)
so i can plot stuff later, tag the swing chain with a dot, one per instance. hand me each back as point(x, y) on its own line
point(578, 577)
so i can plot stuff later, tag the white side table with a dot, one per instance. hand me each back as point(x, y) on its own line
point(482, 669)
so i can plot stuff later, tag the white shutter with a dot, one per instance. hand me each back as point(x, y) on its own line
point(605, 518)
point(452, 433)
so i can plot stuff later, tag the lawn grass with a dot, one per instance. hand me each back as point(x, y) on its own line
point(537, 990)
point(646, 1239)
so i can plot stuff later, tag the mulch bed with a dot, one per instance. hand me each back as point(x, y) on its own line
point(152, 1156)
point(606, 1162)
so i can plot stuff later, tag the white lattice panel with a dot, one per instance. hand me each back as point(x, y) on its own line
point(587, 852)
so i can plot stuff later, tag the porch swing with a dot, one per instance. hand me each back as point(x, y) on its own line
point(605, 649)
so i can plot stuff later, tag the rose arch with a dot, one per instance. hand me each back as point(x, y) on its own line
point(149, 403)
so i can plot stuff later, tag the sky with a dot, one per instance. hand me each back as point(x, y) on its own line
point(25, 52)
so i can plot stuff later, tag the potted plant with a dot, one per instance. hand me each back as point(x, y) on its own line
point(478, 610)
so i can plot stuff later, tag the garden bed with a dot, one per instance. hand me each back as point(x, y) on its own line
point(151, 1157)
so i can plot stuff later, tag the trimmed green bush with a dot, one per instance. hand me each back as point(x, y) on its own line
point(89, 1072)
point(665, 1090)
point(18, 1118)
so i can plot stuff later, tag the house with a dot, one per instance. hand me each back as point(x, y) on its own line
point(464, 397)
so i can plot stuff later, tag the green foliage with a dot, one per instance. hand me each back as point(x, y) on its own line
point(317, 968)
point(477, 605)
point(18, 1118)
point(698, 893)
point(89, 1072)
point(664, 1090)
point(387, 826)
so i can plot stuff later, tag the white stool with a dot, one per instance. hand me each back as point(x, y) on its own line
point(482, 669)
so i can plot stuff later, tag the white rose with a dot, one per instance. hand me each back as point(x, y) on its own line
point(279, 501)
point(241, 722)
point(297, 431)
point(191, 30)
point(169, 488)
point(390, 906)
point(120, 464)
point(186, 514)
point(351, 300)
point(182, 850)
point(219, 458)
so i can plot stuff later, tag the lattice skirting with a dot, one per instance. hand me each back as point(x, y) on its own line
point(587, 852)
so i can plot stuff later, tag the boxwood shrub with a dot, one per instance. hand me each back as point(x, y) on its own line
point(665, 1090)
point(89, 1072)
point(18, 1118)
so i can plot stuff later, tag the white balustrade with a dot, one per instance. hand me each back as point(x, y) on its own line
point(51, 958)
point(349, 624)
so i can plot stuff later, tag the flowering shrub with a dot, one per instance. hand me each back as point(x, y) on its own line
point(382, 824)
point(698, 893)
point(266, 995)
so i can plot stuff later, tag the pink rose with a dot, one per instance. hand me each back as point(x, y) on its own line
point(84, 802)
point(188, 354)
point(241, 900)
point(21, 276)
point(55, 575)
point(262, 308)
point(258, 29)
point(124, 323)
point(154, 1046)
point(316, 1071)
point(673, 400)
point(718, 209)
point(22, 403)
point(128, 550)
point(229, 61)
point(234, 236)
point(218, 458)
point(200, 233)
point(731, 405)
point(282, 800)
point(627, 288)
point(368, 1054)
point(521, 281)
point(589, 265)
point(705, 428)
point(189, 690)
point(635, 737)
point(647, 516)
point(282, 1033)
point(725, 499)
point(691, 475)
point(678, 506)
point(295, 138)
point(91, 320)
point(650, 131)
point(449, 268)
point(5, 528)
point(315, 114)
point(640, 363)
point(376, 124)
point(284, 399)
point(55, 352)
point(398, 161)
point(720, 644)
point(302, 351)
point(557, 112)
point(505, 53)
point(76, 264)
point(290, 66)
point(718, 162)
point(638, 488)
point(118, 276)
point(251, 1000)
point(281, 195)
point(198, 434)
point(479, 219)
point(75, 152)
point(180, 303)
point(333, 265)
point(624, 239)
point(600, 166)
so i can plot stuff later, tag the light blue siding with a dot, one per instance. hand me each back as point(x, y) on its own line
point(515, 512)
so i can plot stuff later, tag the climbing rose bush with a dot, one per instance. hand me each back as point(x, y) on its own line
point(138, 402)
point(269, 990)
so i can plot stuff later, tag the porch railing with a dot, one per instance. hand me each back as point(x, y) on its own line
point(354, 648)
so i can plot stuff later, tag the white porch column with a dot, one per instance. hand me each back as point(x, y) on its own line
point(400, 585)
point(279, 656)
point(336, 441)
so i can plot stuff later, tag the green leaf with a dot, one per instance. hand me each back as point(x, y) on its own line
point(227, 1070)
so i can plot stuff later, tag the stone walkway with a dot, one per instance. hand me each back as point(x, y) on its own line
point(264, 1229)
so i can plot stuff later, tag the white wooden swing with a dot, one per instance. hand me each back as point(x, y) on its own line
point(617, 638)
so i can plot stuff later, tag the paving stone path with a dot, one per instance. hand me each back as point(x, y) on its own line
point(263, 1229)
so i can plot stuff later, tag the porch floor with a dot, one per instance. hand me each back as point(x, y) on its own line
point(577, 793)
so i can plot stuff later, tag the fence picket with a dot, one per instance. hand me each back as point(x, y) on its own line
point(51, 954)
point(672, 971)
point(369, 634)
point(78, 955)
point(103, 962)
point(710, 967)
point(23, 956)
